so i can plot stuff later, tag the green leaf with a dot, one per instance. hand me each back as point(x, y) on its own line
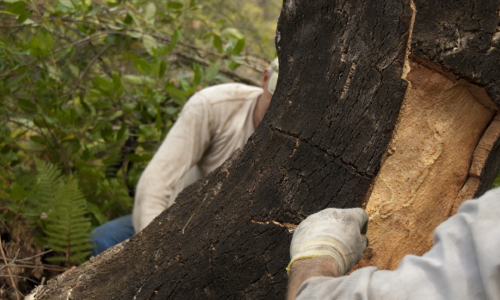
point(171, 110)
point(63, 53)
point(142, 66)
point(212, 71)
point(175, 5)
point(128, 107)
point(217, 43)
point(232, 33)
point(17, 192)
point(113, 3)
point(94, 209)
point(67, 4)
point(49, 120)
point(122, 131)
point(163, 68)
point(177, 95)
point(135, 79)
point(117, 82)
point(198, 74)
point(229, 48)
point(149, 43)
point(240, 45)
point(68, 138)
point(46, 43)
point(134, 34)
point(23, 16)
point(116, 114)
point(34, 47)
point(27, 106)
point(150, 11)
point(38, 139)
point(158, 122)
point(232, 65)
point(175, 39)
point(160, 50)
point(103, 85)
point(184, 84)
point(17, 8)
point(107, 132)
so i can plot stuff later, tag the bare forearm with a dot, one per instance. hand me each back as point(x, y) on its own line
point(303, 269)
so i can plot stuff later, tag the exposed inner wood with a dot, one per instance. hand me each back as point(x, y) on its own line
point(427, 165)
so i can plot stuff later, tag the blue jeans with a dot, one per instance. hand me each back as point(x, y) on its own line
point(111, 233)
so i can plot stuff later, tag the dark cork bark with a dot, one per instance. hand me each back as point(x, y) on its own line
point(461, 36)
point(320, 145)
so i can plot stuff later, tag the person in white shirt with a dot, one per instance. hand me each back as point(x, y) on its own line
point(212, 125)
point(464, 262)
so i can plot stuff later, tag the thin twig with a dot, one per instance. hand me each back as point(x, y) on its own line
point(90, 37)
point(15, 26)
point(80, 78)
point(10, 273)
point(59, 50)
point(34, 256)
point(24, 125)
point(45, 267)
point(105, 67)
point(92, 62)
point(223, 69)
point(12, 262)
point(22, 277)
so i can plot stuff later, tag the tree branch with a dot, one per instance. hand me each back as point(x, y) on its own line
point(224, 70)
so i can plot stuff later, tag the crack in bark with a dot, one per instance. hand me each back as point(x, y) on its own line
point(339, 158)
point(290, 226)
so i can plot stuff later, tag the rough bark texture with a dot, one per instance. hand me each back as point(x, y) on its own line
point(321, 144)
point(461, 36)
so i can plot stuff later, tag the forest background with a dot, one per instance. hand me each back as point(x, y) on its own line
point(88, 90)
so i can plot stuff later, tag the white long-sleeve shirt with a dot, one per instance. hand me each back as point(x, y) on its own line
point(464, 263)
point(212, 125)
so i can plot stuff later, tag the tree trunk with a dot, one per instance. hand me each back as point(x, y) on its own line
point(344, 129)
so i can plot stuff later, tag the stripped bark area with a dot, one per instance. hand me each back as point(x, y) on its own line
point(442, 131)
point(329, 140)
point(446, 147)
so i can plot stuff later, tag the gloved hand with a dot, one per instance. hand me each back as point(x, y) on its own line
point(333, 232)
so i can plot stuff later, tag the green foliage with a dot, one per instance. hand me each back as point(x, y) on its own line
point(88, 89)
point(66, 228)
point(54, 203)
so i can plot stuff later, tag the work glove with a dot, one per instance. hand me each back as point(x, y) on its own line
point(336, 233)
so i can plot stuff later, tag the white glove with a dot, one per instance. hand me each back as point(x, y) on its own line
point(333, 232)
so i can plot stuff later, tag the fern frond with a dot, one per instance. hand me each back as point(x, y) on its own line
point(56, 259)
point(49, 181)
point(80, 256)
point(67, 229)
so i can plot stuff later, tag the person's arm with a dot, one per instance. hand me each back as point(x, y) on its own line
point(463, 264)
point(182, 148)
point(328, 243)
point(302, 270)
